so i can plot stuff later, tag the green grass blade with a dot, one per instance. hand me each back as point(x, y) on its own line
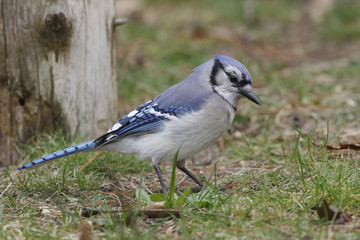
point(170, 197)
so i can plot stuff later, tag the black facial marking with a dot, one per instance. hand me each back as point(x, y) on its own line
point(217, 66)
point(243, 77)
point(236, 82)
point(242, 83)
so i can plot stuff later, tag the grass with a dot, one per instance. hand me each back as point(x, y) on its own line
point(342, 14)
point(271, 174)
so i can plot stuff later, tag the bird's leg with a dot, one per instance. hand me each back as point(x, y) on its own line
point(181, 166)
point(158, 172)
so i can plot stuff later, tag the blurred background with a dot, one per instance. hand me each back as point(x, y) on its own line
point(303, 56)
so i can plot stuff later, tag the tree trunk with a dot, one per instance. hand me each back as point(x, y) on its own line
point(57, 65)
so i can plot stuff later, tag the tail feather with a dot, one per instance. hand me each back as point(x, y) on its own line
point(82, 147)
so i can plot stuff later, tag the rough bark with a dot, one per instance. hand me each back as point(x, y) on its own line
point(56, 66)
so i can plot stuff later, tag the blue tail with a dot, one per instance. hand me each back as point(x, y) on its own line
point(62, 153)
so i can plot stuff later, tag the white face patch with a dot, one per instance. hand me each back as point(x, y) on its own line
point(115, 127)
point(230, 69)
point(133, 113)
point(230, 96)
point(247, 87)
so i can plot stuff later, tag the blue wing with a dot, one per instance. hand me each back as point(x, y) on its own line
point(147, 118)
point(184, 97)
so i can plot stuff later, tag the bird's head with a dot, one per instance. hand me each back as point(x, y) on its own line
point(231, 80)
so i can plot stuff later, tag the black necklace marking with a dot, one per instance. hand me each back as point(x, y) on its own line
point(234, 107)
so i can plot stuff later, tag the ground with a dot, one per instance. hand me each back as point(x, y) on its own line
point(277, 163)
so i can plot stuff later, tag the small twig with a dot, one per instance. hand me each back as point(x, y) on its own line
point(297, 202)
point(119, 21)
point(92, 158)
point(51, 196)
point(181, 180)
point(71, 200)
point(5, 189)
point(116, 197)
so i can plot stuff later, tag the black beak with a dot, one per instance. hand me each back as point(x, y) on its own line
point(249, 94)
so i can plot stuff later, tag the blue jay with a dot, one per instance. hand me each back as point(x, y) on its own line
point(188, 117)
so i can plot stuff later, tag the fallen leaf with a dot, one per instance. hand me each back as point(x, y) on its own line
point(333, 146)
point(157, 210)
point(331, 213)
point(353, 145)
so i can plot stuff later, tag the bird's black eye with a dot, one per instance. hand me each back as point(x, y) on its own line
point(232, 78)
